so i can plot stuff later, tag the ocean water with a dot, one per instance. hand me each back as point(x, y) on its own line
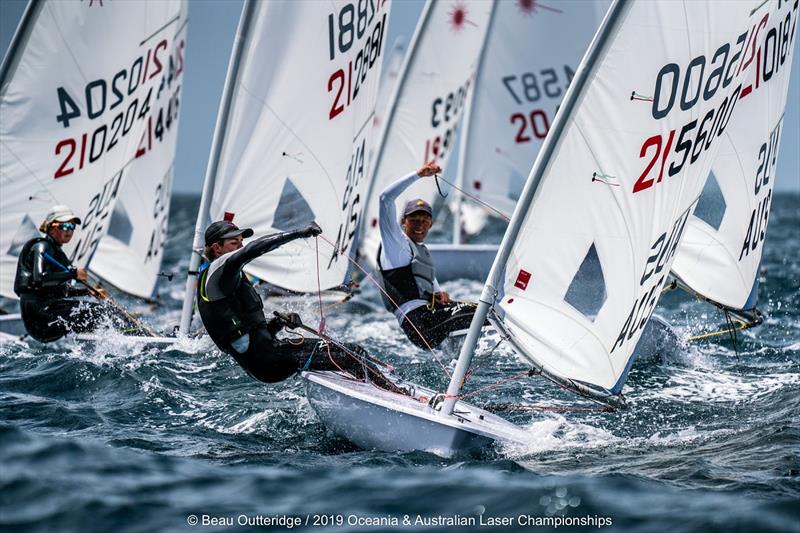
point(101, 437)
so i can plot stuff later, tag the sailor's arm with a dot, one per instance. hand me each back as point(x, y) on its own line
point(266, 244)
point(226, 278)
point(441, 296)
point(395, 251)
point(41, 276)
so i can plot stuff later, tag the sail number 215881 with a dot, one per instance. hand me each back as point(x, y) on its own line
point(347, 28)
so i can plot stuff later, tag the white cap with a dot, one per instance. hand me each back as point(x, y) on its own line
point(59, 213)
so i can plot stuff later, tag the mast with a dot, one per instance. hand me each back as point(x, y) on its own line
point(531, 185)
point(213, 163)
point(398, 89)
point(462, 153)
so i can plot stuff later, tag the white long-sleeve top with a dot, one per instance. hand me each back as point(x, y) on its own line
point(396, 247)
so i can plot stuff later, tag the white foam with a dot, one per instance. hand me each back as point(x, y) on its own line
point(554, 432)
point(701, 386)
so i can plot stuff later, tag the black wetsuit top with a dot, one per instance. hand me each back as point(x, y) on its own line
point(228, 303)
point(231, 308)
point(46, 294)
point(39, 275)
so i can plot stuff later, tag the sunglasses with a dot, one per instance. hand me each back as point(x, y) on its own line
point(66, 226)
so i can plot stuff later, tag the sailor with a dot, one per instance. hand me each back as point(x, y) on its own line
point(46, 285)
point(233, 313)
point(408, 275)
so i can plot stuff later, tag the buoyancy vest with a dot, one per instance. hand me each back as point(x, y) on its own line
point(231, 317)
point(413, 281)
point(23, 281)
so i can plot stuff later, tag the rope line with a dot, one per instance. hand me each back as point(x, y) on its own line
point(482, 360)
point(490, 386)
point(476, 199)
point(375, 282)
point(525, 408)
point(733, 326)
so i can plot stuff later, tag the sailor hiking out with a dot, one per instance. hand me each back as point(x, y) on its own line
point(425, 312)
point(233, 313)
point(47, 285)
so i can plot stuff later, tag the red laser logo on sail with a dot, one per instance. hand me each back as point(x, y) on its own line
point(458, 17)
point(522, 279)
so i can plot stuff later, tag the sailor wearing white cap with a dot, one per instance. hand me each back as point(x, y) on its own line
point(45, 284)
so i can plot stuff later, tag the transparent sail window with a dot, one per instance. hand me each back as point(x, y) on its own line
point(711, 206)
point(587, 291)
point(293, 210)
point(120, 226)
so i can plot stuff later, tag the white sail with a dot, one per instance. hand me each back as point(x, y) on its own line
point(435, 82)
point(720, 253)
point(80, 92)
point(531, 53)
point(390, 76)
point(595, 231)
point(129, 256)
point(300, 122)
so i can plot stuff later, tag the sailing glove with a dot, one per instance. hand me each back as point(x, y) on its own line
point(313, 229)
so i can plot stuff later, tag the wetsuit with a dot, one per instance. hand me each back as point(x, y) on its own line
point(233, 314)
point(49, 301)
point(409, 277)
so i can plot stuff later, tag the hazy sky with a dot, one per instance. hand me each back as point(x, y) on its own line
point(212, 24)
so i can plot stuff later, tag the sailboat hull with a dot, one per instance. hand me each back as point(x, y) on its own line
point(462, 261)
point(659, 342)
point(11, 325)
point(375, 419)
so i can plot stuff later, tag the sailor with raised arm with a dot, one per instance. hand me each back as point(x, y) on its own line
point(233, 313)
point(46, 285)
point(407, 270)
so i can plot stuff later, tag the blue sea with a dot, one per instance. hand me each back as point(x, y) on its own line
point(102, 437)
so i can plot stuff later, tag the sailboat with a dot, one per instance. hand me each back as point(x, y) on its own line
point(719, 258)
point(130, 255)
point(292, 136)
point(522, 67)
point(595, 231)
point(528, 59)
point(79, 135)
point(425, 110)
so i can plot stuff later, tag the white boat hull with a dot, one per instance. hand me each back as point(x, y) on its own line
point(11, 325)
point(372, 418)
point(658, 342)
point(462, 261)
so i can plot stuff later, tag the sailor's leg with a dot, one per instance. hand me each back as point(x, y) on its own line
point(436, 324)
point(351, 358)
point(269, 360)
point(272, 361)
point(41, 324)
